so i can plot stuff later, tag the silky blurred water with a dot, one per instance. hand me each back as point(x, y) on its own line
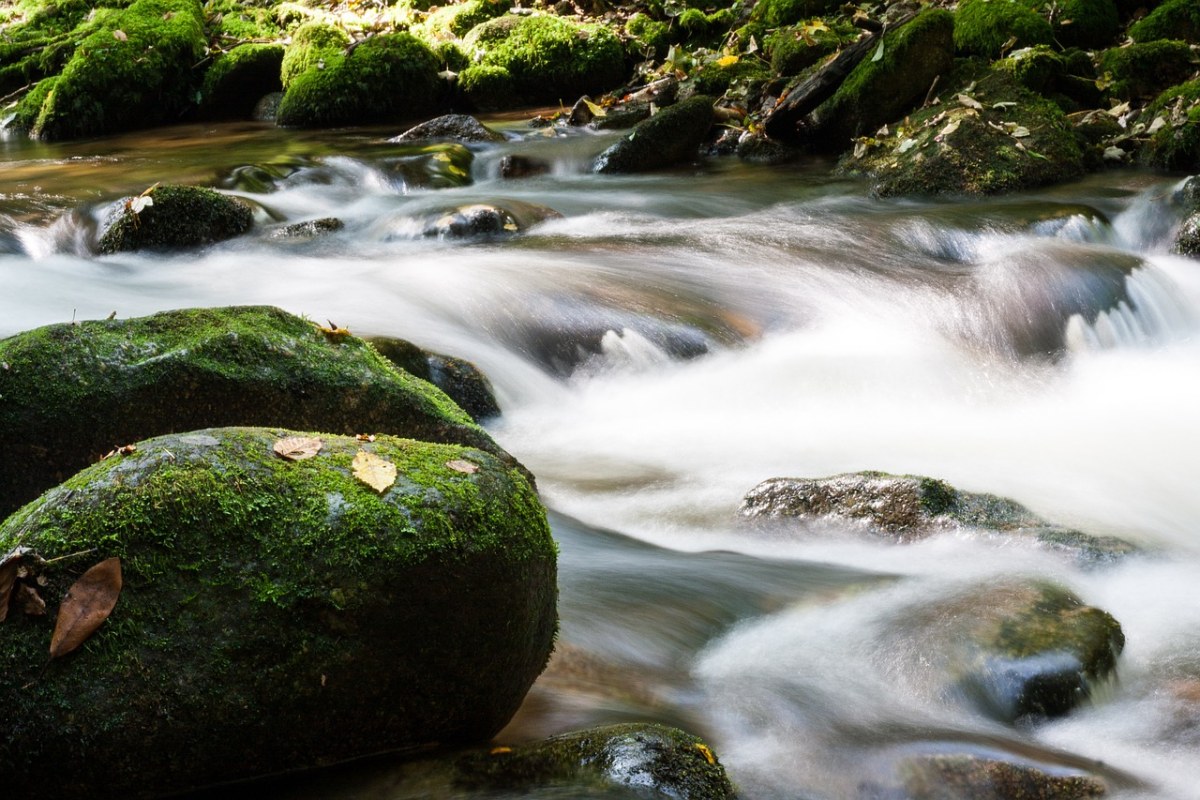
point(673, 339)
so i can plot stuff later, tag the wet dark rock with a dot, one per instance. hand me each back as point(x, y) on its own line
point(281, 603)
point(958, 776)
point(581, 113)
point(443, 165)
point(518, 166)
point(267, 107)
point(261, 178)
point(239, 79)
point(451, 127)
point(672, 135)
point(758, 149)
point(907, 508)
point(621, 117)
point(487, 220)
point(653, 760)
point(460, 380)
point(309, 229)
point(74, 392)
point(179, 217)
point(1187, 242)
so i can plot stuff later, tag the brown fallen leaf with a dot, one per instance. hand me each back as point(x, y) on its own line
point(365, 437)
point(297, 448)
point(376, 472)
point(86, 605)
point(123, 450)
point(8, 576)
point(459, 465)
point(29, 601)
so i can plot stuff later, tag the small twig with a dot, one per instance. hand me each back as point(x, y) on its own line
point(71, 555)
point(929, 94)
point(15, 94)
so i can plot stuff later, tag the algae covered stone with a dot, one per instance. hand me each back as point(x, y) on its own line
point(170, 217)
point(985, 27)
point(672, 135)
point(461, 380)
point(74, 392)
point(276, 614)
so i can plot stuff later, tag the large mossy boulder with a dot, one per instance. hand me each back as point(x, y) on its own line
point(386, 77)
point(1142, 70)
point(908, 508)
point(1172, 19)
point(987, 135)
point(133, 68)
point(672, 135)
point(656, 760)
point(985, 27)
point(73, 392)
point(313, 45)
point(275, 614)
point(175, 217)
point(539, 59)
point(880, 91)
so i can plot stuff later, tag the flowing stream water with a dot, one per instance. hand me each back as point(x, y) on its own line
point(673, 339)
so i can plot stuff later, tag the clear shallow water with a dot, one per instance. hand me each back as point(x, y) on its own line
point(674, 339)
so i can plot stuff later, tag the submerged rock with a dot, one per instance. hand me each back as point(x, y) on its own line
point(75, 392)
point(452, 127)
point(1187, 241)
point(309, 229)
point(654, 760)
point(460, 380)
point(906, 508)
point(487, 220)
point(672, 135)
point(953, 777)
point(172, 217)
point(276, 614)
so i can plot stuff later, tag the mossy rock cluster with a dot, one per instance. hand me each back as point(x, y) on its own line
point(672, 135)
point(75, 392)
point(794, 49)
point(540, 59)
point(283, 603)
point(1171, 19)
point(769, 14)
point(989, 27)
point(1141, 71)
point(385, 77)
point(1175, 146)
point(176, 217)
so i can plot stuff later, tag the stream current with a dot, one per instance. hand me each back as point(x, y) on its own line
point(672, 340)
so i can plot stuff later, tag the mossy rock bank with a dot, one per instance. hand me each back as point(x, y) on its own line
point(907, 508)
point(672, 135)
point(1175, 145)
point(652, 760)
point(275, 614)
point(1143, 70)
point(461, 380)
point(988, 135)
point(174, 217)
point(74, 392)
point(382, 78)
point(132, 68)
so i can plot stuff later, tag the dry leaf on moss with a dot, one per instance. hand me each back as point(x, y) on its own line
point(8, 576)
point(87, 604)
point(297, 448)
point(376, 472)
point(459, 465)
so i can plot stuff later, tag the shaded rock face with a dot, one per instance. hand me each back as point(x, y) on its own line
point(669, 137)
point(1187, 242)
point(952, 777)
point(460, 380)
point(906, 508)
point(282, 604)
point(239, 79)
point(652, 759)
point(74, 392)
point(178, 217)
point(453, 127)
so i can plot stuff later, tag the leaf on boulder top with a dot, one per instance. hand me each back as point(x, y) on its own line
point(376, 472)
point(365, 437)
point(297, 448)
point(596, 109)
point(878, 52)
point(461, 465)
point(86, 605)
point(970, 102)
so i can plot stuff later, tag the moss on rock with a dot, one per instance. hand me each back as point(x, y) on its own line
point(239, 78)
point(780, 13)
point(133, 70)
point(1144, 70)
point(672, 135)
point(283, 603)
point(984, 27)
point(1172, 19)
point(488, 87)
point(461, 380)
point(180, 216)
point(793, 50)
point(1082, 23)
point(74, 392)
point(385, 77)
point(1176, 145)
point(314, 45)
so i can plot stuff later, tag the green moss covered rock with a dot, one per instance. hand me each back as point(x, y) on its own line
point(41, 43)
point(231, 21)
point(780, 13)
point(1082, 23)
point(456, 20)
point(715, 78)
point(488, 87)
point(547, 59)
point(275, 614)
point(177, 217)
point(239, 78)
point(655, 759)
point(74, 392)
point(386, 77)
point(881, 91)
point(952, 148)
point(672, 135)
point(461, 380)
point(1172, 19)
point(1175, 146)
point(984, 27)
point(135, 69)
point(314, 45)
point(1146, 69)
point(793, 49)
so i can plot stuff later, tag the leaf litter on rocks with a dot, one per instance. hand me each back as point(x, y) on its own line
point(86, 605)
point(376, 472)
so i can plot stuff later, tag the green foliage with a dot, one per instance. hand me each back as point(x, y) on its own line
point(650, 34)
point(133, 70)
point(984, 27)
point(383, 78)
point(1145, 69)
point(314, 45)
point(1174, 19)
point(452, 56)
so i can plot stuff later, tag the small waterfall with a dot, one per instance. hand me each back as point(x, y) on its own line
point(1155, 313)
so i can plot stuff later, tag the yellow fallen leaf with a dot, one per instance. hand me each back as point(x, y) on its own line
point(706, 752)
point(459, 465)
point(297, 448)
point(727, 61)
point(376, 472)
point(596, 109)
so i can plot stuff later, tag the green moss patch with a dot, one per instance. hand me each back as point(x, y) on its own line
point(314, 45)
point(1146, 69)
point(798, 47)
point(284, 603)
point(1172, 19)
point(984, 27)
point(1175, 145)
point(176, 217)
